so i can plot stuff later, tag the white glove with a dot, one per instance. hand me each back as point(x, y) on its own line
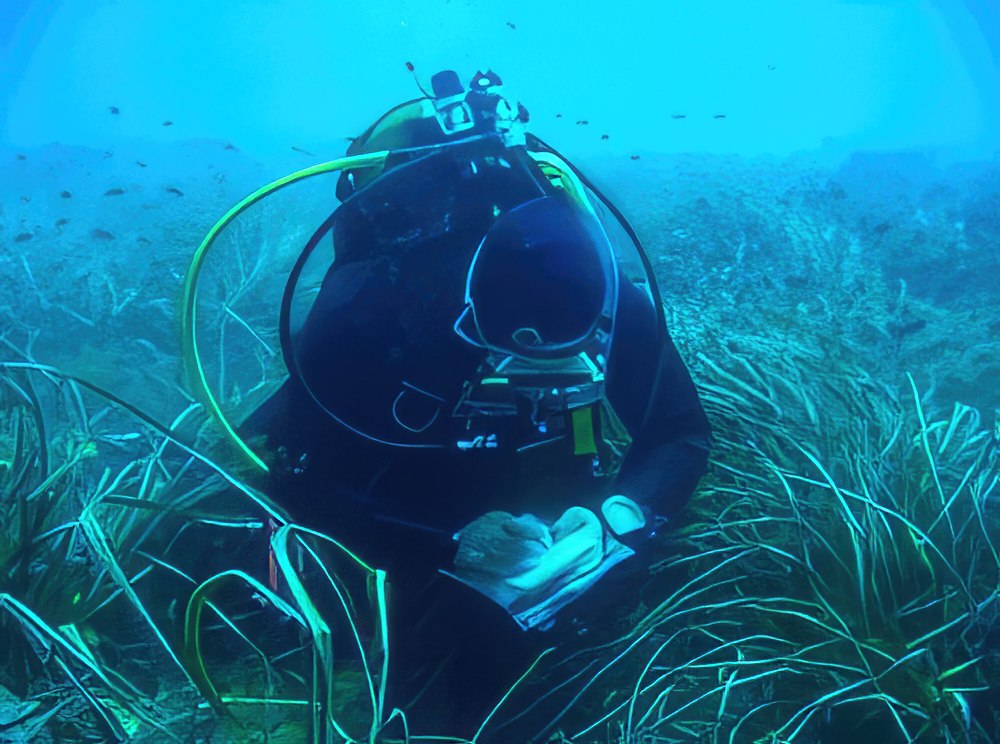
point(533, 570)
point(496, 546)
point(577, 547)
point(622, 515)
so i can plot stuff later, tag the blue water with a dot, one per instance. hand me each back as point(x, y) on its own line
point(817, 187)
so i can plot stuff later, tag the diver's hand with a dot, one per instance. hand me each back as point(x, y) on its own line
point(577, 547)
point(622, 515)
point(531, 569)
point(497, 546)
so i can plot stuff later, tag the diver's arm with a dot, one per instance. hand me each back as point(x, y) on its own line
point(670, 452)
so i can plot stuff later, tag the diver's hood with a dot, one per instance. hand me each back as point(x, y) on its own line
point(543, 283)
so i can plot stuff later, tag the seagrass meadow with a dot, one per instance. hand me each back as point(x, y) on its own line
point(835, 577)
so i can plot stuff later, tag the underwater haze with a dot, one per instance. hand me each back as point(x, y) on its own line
point(816, 186)
point(789, 76)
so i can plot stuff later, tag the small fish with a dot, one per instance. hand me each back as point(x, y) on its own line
point(558, 116)
point(173, 190)
point(229, 146)
point(66, 195)
point(114, 192)
point(114, 110)
point(108, 154)
point(143, 241)
point(771, 67)
point(582, 122)
point(168, 123)
point(634, 157)
point(140, 163)
point(604, 136)
point(61, 221)
point(22, 157)
point(511, 26)
point(678, 116)
point(23, 237)
point(304, 152)
point(900, 330)
point(99, 234)
point(119, 438)
point(719, 116)
point(25, 199)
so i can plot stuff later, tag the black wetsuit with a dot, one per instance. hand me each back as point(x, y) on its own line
point(382, 327)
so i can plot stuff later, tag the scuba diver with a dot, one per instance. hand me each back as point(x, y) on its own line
point(483, 397)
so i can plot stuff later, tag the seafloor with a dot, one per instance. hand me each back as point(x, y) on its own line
point(834, 579)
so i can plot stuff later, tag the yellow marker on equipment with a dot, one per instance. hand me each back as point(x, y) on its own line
point(583, 432)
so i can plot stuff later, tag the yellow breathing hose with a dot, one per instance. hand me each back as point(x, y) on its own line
point(192, 358)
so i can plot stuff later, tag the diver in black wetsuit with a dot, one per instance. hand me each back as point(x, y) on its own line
point(484, 393)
